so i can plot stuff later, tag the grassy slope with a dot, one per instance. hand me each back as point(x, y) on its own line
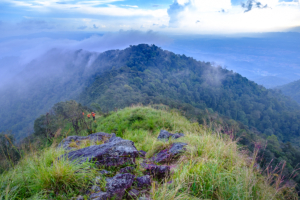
point(213, 167)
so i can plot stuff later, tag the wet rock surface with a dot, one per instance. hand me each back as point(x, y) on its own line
point(115, 152)
point(165, 135)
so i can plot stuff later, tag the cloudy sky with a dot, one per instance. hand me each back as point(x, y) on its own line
point(170, 16)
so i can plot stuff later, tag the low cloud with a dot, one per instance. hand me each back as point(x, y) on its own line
point(32, 24)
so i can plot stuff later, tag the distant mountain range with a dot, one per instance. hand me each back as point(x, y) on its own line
point(292, 90)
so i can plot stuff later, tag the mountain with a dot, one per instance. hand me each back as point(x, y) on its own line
point(292, 90)
point(271, 81)
point(144, 74)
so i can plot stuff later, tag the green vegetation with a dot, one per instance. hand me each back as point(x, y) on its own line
point(213, 167)
point(292, 90)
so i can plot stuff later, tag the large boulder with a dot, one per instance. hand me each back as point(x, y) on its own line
point(168, 154)
point(165, 135)
point(115, 152)
point(76, 140)
point(117, 185)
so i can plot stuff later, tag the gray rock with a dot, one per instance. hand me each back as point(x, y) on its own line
point(117, 185)
point(115, 152)
point(143, 182)
point(105, 172)
point(93, 138)
point(100, 196)
point(95, 188)
point(133, 194)
point(165, 135)
point(144, 198)
point(127, 169)
point(158, 171)
point(77, 198)
point(168, 154)
point(177, 148)
point(142, 153)
point(177, 135)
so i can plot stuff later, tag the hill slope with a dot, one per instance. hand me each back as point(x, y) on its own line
point(211, 167)
point(292, 90)
point(151, 75)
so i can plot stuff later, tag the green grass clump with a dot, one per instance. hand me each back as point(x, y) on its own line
point(43, 176)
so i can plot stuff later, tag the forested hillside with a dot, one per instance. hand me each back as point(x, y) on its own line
point(151, 75)
point(292, 90)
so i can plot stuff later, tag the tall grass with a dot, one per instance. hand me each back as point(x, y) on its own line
point(213, 167)
point(42, 174)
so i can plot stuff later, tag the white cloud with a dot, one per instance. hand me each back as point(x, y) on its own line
point(204, 16)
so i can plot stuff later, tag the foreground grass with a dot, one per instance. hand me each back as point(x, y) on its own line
point(213, 167)
point(43, 176)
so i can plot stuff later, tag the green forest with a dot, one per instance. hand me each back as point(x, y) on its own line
point(292, 90)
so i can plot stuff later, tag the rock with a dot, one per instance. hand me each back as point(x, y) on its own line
point(168, 154)
point(98, 179)
point(115, 152)
point(117, 185)
point(100, 196)
point(95, 188)
point(105, 172)
point(177, 148)
point(144, 198)
point(165, 135)
point(127, 169)
point(143, 182)
point(177, 135)
point(159, 171)
point(77, 139)
point(133, 194)
point(142, 153)
point(77, 198)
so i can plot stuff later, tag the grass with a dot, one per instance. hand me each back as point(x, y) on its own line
point(212, 167)
point(41, 175)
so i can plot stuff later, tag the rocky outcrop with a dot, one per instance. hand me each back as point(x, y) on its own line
point(118, 156)
point(70, 142)
point(167, 155)
point(165, 135)
point(115, 152)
